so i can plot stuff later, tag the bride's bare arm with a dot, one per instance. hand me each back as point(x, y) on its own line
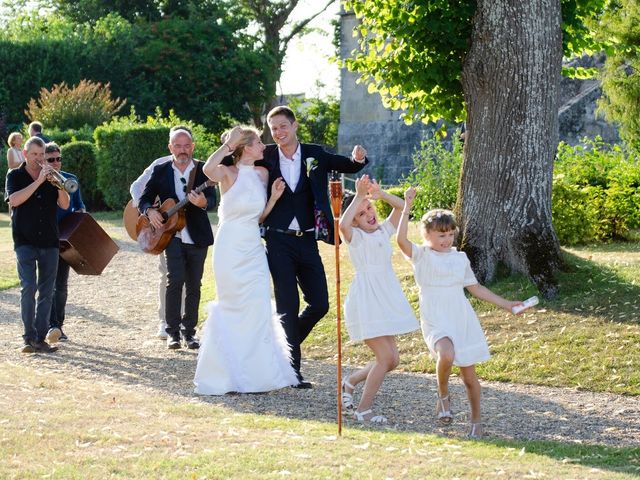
point(277, 189)
point(214, 169)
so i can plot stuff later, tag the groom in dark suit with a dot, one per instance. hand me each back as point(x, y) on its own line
point(300, 217)
point(187, 250)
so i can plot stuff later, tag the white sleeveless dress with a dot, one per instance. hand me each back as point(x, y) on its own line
point(375, 305)
point(243, 345)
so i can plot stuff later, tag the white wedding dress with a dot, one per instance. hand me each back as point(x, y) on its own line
point(243, 345)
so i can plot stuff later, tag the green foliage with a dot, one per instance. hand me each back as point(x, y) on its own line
point(436, 174)
point(79, 158)
point(595, 192)
point(206, 142)
point(64, 136)
point(318, 120)
point(86, 103)
point(620, 76)
point(383, 208)
point(411, 52)
point(81, 11)
point(203, 67)
point(4, 166)
point(202, 70)
point(125, 149)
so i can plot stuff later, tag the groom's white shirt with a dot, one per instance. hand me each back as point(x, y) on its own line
point(290, 169)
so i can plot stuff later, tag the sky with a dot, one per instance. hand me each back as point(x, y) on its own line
point(307, 59)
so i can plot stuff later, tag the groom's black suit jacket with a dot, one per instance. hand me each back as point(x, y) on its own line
point(162, 185)
point(311, 192)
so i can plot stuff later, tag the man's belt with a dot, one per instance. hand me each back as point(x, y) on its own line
point(293, 233)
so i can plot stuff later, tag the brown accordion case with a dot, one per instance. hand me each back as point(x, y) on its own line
point(84, 245)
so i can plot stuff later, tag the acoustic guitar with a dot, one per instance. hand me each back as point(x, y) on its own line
point(130, 219)
point(155, 240)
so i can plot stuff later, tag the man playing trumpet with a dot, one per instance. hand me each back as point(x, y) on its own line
point(34, 202)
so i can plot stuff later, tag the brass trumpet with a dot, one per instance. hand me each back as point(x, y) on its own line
point(61, 182)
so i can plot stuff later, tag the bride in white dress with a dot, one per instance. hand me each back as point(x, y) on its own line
point(243, 346)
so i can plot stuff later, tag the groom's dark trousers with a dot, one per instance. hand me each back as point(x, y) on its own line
point(295, 260)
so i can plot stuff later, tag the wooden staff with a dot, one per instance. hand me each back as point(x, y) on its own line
point(336, 203)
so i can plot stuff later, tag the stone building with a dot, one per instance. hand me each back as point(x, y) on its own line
point(390, 143)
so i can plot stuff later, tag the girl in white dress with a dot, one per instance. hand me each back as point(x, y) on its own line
point(450, 327)
point(375, 308)
point(244, 348)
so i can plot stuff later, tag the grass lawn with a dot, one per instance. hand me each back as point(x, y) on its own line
point(63, 427)
point(588, 338)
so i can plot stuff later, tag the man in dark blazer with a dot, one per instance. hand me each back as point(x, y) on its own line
point(300, 217)
point(187, 250)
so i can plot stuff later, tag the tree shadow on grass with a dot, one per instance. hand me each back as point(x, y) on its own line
point(589, 287)
point(542, 421)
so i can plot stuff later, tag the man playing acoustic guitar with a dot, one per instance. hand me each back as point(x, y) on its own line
point(187, 250)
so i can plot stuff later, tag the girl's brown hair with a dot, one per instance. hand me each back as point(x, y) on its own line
point(439, 220)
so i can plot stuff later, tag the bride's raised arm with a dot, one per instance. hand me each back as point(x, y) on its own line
point(213, 168)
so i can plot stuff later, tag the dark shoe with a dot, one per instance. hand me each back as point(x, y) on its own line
point(44, 347)
point(173, 342)
point(28, 348)
point(53, 335)
point(302, 385)
point(63, 337)
point(192, 342)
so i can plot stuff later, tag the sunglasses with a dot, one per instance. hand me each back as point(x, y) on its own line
point(184, 184)
point(54, 159)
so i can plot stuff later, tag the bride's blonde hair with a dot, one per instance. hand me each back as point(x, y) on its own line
point(249, 135)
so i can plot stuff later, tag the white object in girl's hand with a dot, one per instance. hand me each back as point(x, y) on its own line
point(529, 302)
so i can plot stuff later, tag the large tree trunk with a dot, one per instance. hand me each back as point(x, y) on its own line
point(511, 79)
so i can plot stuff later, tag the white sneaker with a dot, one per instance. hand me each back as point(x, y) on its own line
point(162, 332)
point(53, 335)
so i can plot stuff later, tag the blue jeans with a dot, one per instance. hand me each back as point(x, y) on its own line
point(60, 295)
point(37, 268)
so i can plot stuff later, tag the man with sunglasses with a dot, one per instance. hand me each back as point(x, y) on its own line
point(187, 250)
point(53, 157)
point(34, 202)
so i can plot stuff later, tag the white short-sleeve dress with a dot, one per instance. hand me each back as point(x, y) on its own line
point(445, 311)
point(375, 305)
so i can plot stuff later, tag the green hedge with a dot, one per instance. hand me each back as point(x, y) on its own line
point(383, 208)
point(79, 158)
point(124, 151)
point(3, 175)
point(62, 137)
point(595, 192)
point(596, 187)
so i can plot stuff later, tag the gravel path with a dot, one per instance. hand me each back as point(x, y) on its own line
point(111, 322)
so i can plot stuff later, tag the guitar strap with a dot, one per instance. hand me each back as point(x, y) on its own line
point(192, 176)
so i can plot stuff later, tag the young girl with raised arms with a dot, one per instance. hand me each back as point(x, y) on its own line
point(375, 308)
point(450, 327)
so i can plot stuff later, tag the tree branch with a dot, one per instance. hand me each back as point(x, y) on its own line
point(303, 23)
